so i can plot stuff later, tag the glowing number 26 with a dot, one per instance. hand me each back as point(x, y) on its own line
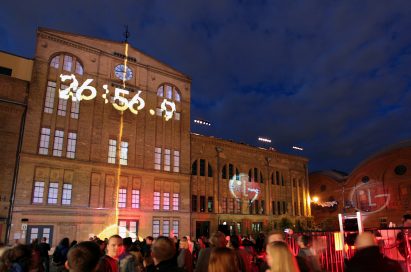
point(74, 91)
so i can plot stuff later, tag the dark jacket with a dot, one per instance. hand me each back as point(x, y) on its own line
point(370, 259)
point(165, 266)
point(203, 258)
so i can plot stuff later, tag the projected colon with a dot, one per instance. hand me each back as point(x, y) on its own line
point(120, 101)
point(240, 187)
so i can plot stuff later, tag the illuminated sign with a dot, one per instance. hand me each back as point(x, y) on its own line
point(366, 198)
point(119, 101)
point(240, 187)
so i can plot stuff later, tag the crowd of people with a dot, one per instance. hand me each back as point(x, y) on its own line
point(219, 253)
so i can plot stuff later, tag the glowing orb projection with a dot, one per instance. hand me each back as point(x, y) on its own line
point(120, 100)
point(240, 187)
point(369, 198)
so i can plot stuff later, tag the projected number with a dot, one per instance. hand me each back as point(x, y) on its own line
point(121, 103)
point(74, 91)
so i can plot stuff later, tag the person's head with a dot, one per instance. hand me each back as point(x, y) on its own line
point(44, 240)
point(365, 239)
point(275, 236)
point(184, 243)
point(304, 241)
point(218, 239)
point(223, 259)
point(127, 243)
point(73, 243)
point(163, 249)
point(235, 241)
point(406, 220)
point(115, 246)
point(280, 258)
point(84, 256)
point(65, 242)
point(149, 240)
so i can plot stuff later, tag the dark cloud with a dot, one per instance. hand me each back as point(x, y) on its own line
point(331, 76)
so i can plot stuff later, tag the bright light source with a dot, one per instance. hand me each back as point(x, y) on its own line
point(298, 148)
point(202, 122)
point(266, 140)
point(315, 199)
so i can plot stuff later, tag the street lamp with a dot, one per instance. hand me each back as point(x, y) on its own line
point(315, 199)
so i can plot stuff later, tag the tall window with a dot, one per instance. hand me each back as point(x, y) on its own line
point(157, 158)
point(71, 145)
point(38, 192)
point(274, 208)
point(176, 228)
point(193, 203)
point(166, 201)
point(58, 143)
point(44, 141)
point(176, 167)
point(167, 161)
point(62, 106)
point(68, 63)
point(176, 197)
point(202, 203)
point(55, 62)
point(169, 92)
point(112, 146)
point(166, 228)
point(156, 202)
point(156, 228)
point(75, 109)
point(50, 94)
point(135, 199)
point(79, 68)
point(210, 204)
point(53, 193)
point(66, 197)
point(257, 207)
point(123, 153)
point(122, 198)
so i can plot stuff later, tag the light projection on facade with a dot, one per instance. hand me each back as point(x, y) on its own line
point(369, 198)
point(119, 101)
point(240, 187)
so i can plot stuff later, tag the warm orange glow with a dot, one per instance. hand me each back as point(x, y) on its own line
point(338, 241)
point(315, 199)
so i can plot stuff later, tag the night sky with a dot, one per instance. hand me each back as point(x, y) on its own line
point(333, 77)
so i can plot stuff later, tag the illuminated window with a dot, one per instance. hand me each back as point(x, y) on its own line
point(177, 116)
point(166, 228)
point(176, 166)
point(68, 63)
point(122, 198)
point(193, 203)
point(53, 193)
point(75, 109)
point(166, 201)
point(176, 202)
point(128, 228)
point(55, 62)
point(132, 230)
point(156, 203)
point(156, 228)
point(79, 68)
point(62, 106)
point(169, 92)
point(122, 228)
point(58, 143)
point(202, 203)
point(167, 161)
point(135, 199)
point(157, 158)
point(210, 204)
point(66, 197)
point(160, 91)
point(44, 141)
point(50, 94)
point(38, 192)
point(176, 96)
point(112, 146)
point(176, 227)
point(123, 153)
point(71, 145)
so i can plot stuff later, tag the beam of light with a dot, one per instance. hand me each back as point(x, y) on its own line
point(202, 122)
point(263, 139)
point(298, 148)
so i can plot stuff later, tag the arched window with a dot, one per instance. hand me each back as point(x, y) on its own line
point(170, 92)
point(204, 165)
point(69, 63)
point(230, 173)
point(254, 174)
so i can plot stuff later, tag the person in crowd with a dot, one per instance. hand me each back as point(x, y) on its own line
point(44, 249)
point(185, 258)
point(260, 242)
point(148, 264)
point(163, 251)
point(146, 248)
point(223, 259)
point(369, 258)
point(17, 258)
point(190, 244)
point(404, 240)
point(73, 243)
point(280, 258)
point(35, 264)
point(244, 259)
point(217, 240)
point(60, 254)
point(83, 257)
point(128, 262)
point(102, 245)
point(109, 263)
point(275, 236)
point(307, 259)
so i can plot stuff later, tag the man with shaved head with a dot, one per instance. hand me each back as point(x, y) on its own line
point(369, 258)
